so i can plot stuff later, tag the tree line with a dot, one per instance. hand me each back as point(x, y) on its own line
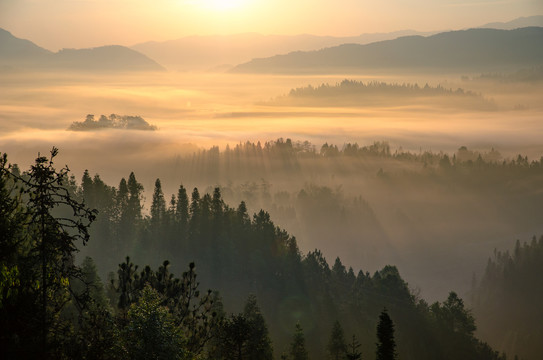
point(508, 296)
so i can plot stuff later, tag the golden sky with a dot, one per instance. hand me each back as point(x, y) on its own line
point(56, 24)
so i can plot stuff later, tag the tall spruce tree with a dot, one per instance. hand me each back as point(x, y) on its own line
point(158, 208)
point(259, 344)
point(336, 344)
point(386, 345)
point(297, 347)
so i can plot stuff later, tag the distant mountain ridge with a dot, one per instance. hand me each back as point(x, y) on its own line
point(23, 54)
point(536, 20)
point(221, 52)
point(465, 50)
point(215, 52)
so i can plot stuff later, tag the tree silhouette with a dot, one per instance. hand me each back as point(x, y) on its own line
point(336, 344)
point(352, 352)
point(151, 332)
point(297, 347)
point(259, 344)
point(158, 207)
point(55, 223)
point(386, 345)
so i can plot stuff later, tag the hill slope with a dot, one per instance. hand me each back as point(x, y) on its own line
point(24, 54)
point(208, 52)
point(15, 50)
point(536, 20)
point(467, 50)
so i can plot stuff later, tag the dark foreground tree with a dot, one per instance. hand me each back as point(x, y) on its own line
point(259, 344)
point(54, 223)
point(336, 344)
point(243, 336)
point(386, 345)
point(191, 311)
point(297, 347)
point(234, 337)
point(151, 332)
point(352, 352)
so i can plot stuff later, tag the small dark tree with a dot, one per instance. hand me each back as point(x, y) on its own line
point(259, 344)
point(158, 207)
point(182, 215)
point(234, 337)
point(191, 311)
point(352, 352)
point(242, 336)
point(386, 345)
point(336, 344)
point(297, 347)
point(151, 332)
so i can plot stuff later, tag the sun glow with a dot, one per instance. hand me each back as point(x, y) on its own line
point(222, 5)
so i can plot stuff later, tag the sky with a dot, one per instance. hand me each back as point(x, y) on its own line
point(56, 24)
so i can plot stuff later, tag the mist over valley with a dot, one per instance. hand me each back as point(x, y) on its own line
point(312, 179)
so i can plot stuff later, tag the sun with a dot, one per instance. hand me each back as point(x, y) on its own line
point(222, 5)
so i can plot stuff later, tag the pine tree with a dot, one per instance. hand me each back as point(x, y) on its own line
point(297, 347)
point(352, 352)
point(158, 207)
point(386, 345)
point(135, 191)
point(55, 224)
point(235, 336)
point(181, 220)
point(182, 209)
point(195, 217)
point(151, 332)
point(259, 344)
point(336, 344)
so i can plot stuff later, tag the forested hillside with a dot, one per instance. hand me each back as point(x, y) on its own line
point(359, 94)
point(508, 299)
point(53, 307)
point(372, 204)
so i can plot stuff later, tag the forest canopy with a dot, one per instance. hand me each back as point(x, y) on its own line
point(151, 313)
point(359, 93)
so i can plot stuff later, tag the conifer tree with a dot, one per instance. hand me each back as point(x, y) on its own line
point(151, 332)
point(386, 345)
point(297, 347)
point(235, 336)
point(259, 344)
point(181, 219)
point(48, 250)
point(336, 344)
point(194, 224)
point(182, 205)
point(352, 352)
point(135, 190)
point(158, 207)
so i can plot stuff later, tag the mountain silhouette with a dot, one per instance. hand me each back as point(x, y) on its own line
point(23, 54)
point(536, 20)
point(466, 50)
point(217, 51)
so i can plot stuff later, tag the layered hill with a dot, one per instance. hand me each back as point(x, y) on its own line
point(525, 21)
point(220, 52)
point(23, 54)
point(467, 50)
